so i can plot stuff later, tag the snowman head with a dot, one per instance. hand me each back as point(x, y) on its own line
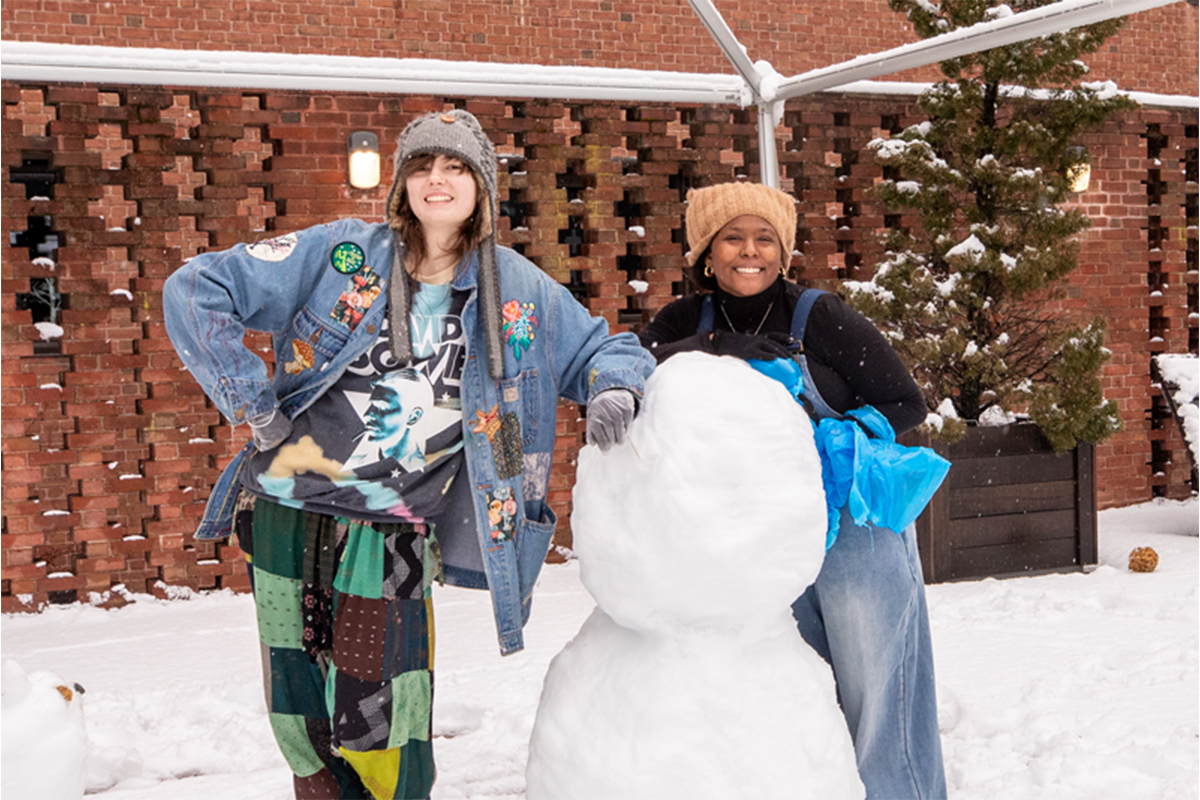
point(712, 514)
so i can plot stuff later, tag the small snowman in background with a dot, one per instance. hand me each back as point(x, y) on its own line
point(690, 678)
point(44, 750)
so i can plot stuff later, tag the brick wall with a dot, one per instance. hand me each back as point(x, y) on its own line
point(110, 448)
point(796, 37)
point(1138, 268)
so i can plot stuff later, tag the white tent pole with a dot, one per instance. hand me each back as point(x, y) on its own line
point(730, 46)
point(35, 61)
point(23, 61)
point(1053, 18)
point(733, 50)
point(1042, 21)
point(768, 156)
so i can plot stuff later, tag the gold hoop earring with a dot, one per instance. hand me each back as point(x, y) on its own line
point(782, 270)
point(708, 273)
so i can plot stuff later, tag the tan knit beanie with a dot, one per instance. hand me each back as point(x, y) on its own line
point(713, 207)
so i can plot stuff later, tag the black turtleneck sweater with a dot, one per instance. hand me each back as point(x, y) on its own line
point(851, 363)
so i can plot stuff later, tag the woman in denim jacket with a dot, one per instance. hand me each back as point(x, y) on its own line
point(407, 435)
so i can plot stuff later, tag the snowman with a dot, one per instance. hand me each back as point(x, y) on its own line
point(45, 745)
point(690, 678)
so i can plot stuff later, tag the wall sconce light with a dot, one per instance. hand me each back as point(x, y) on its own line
point(1079, 173)
point(363, 147)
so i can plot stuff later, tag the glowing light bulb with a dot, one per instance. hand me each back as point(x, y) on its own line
point(364, 165)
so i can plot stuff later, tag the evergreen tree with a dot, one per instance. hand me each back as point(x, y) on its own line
point(966, 296)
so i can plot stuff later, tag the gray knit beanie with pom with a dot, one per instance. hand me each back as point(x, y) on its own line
point(457, 134)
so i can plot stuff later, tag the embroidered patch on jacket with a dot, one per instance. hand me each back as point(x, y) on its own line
point(487, 422)
point(302, 357)
point(506, 447)
point(347, 258)
point(519, 323)
point(537, 474)
point(502, 514)
point(361, 291)
point(276, 249)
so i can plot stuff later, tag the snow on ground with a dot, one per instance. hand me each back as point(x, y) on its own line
point(1057, 686)
point(1181, 379)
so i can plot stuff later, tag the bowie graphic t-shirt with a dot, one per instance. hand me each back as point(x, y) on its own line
point(385, 442)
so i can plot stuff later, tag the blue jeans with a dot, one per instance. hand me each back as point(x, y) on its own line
point(866, 616)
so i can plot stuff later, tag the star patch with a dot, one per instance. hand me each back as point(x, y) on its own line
point(347, 258)
point(487, 423)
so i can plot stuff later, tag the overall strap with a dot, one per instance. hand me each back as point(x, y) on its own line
point(800, 316)
point(706, 315)
point(811, 398)
point(812, 401)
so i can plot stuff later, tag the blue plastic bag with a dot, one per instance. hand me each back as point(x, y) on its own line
point(889, 484)
point(878, 480)
point(784, 370)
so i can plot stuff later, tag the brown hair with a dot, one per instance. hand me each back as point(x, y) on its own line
point(470, 234)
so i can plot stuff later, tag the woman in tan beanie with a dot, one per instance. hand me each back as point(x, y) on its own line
point(866, 613)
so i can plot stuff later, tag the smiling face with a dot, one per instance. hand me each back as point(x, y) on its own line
point(441, 191)
point(745, 256)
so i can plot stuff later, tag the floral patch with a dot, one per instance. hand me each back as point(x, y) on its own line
point(519, 323)
point(360, 293)
point(502, 514)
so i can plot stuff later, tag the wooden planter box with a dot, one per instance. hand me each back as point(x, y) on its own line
point(1009, 506)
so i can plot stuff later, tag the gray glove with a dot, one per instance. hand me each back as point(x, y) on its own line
point(270, 429)
point(608, 417)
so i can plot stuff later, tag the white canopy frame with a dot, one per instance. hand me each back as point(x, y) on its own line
point(754, 84)
point(769, 92)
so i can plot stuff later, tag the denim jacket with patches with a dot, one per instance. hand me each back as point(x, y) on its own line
point(324, 310)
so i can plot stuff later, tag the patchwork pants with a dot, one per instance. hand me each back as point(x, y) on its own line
point(345, 622)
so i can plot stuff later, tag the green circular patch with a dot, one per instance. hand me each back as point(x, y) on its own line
point(347, 258)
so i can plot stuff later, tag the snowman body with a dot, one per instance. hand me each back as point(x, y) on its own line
point(45, 744)
point(690, 678)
